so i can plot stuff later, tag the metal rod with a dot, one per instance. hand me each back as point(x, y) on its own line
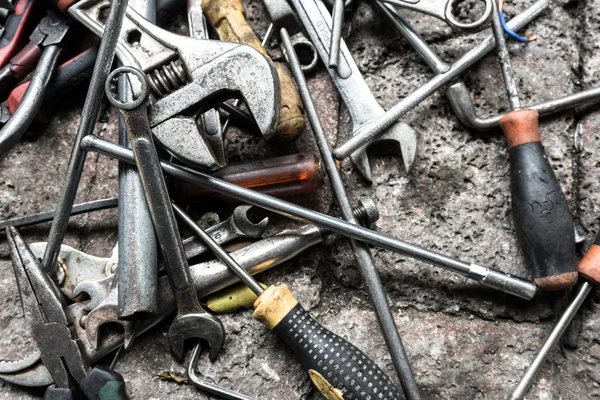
point(219, 252)
point(46, 216)
point(486, 276)
point(362, 253)
point(554, 337)
point(336, 32)
point(504, 57)
point(89, 115)
point(379, 126)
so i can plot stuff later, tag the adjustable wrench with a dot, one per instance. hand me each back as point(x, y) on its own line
point(361, 103)
point(185, 73)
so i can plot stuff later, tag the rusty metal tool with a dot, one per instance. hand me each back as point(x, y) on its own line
point(361, 104)
point(192, 321)
point(138, 248)
point(379, 126)
point(361, 251)
point(589, 269)
point(228, 19)
point(336, 367)
point(542, 218)
point(487, 276)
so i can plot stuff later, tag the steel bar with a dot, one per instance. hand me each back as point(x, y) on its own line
point(361, 251)
point(89, 115)
point(509, 79)
point(486, 276)
point(46, 216)
point(336, 32)
point(379, 126)
point(138, 249)
point(554, 337)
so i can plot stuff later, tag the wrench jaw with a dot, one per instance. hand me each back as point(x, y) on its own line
point(247, 227)
point(100, 316)
point(202, 326)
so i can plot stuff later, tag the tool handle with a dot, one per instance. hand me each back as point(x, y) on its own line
point(589, 266)
point(103, 384)
point(229, 21)
point(542, 218)
point(336, 367)
point(68, 77)
point(55, 393)
point(18, 27)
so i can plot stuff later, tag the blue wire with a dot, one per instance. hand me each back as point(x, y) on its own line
point(509, 32)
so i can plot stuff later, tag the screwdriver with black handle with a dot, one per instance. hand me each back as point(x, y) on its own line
point(336, 367)
point(543, 221)
point(589, 269)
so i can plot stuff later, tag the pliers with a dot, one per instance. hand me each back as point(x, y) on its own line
point(43, 309)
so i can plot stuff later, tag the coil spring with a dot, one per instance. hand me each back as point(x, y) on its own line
point(168, 78)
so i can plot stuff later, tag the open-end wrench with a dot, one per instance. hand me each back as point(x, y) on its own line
point(192, 321)
point(361, 103)
point(184, 73)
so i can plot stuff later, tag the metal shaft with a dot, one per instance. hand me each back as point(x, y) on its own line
point(554, 337)
point(219, 252)
point(138, 256)
point(486, 276)
point(89, 115)
point(336, 32)
point(362, 253)
point(379, 126)
point(504, 56)
point(46, 216)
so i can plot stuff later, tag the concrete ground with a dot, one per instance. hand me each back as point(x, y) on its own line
point(464, 341)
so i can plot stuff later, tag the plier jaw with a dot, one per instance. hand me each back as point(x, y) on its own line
point(44, 313)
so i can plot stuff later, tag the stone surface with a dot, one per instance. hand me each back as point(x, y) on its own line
point(465, 342)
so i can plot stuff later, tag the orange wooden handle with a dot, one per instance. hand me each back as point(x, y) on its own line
point(520, 127)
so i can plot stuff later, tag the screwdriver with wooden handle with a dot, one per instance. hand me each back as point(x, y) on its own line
point(589, 269)
point(228, 19)
point(542, 218)
point(336, 367)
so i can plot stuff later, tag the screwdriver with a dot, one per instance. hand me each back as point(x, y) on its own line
point(589, 269)
point(542, 219)
point(336, 367)
point(104, 383)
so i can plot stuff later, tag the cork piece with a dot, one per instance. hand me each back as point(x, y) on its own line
point(229, 20)
point(520, 127)
point(328, 391)
point(273, 305)
point(557, 282)
point(589, 266)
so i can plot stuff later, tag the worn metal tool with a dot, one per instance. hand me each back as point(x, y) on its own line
point(359, 100)
point(361, 251)
point(282, 16)
point(186, 73)
point(486, 276)
point(458, 95)
point(443, 10)
point(379, 127)
point(49, 328)
point(337, 25)
point(228, 19)
point(542, 218)
point(138, 249)
point(336, 367)
point(48, 35)
point(192, 321)
point(210, 121)
point(589, 269)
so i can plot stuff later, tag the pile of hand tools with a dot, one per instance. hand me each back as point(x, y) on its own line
point(177, 266)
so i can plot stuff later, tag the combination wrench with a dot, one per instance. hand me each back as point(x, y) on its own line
point(355, 92)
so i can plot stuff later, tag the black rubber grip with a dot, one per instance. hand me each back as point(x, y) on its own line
point(543, 221)
point(103, 384)
point(341, 363)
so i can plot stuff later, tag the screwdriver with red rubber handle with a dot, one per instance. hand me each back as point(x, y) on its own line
point(589, 269)
point(336, 367)
point(543, 221)
point(68, 77)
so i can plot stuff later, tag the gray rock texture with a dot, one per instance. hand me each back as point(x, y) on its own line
point(464, 341)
